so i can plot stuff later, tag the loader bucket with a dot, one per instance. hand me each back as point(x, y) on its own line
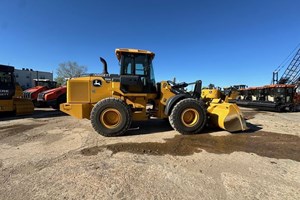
point(226, 116)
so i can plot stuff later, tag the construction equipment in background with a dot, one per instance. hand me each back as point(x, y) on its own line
point(40, 86)
point(53, 97)
point(231, 93)
point(277, 97)
point(281, 95)
point(227, 94)
point(291, 75)
point(112, 102)
point(11, 94)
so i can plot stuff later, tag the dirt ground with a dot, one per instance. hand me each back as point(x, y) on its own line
point(53, 156)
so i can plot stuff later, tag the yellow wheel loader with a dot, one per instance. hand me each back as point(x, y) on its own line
point(113, 101)
point(11, 94)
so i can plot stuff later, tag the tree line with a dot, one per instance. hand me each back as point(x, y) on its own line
point(69, 70)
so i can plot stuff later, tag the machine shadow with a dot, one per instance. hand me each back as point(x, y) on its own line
point(159, 125)
point(253, 127)
point(149, 127)
point(38, 113)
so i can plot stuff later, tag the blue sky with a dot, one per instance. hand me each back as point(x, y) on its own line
point(224, 42)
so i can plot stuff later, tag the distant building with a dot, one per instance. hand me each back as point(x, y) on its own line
point(25, 77)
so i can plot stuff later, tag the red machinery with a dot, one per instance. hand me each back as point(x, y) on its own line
point(53, 97)
point(40, 86)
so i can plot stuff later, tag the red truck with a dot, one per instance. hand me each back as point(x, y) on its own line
point(40, 86)
point(53, 97)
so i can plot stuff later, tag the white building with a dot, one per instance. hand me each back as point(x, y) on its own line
point(25, 77)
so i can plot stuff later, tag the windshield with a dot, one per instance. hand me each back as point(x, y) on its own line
point(140, 65)
point(152, 78)
point(7, 89)
point(6, 78)
point(260, 91)
point(48, 84)
point(280, 90)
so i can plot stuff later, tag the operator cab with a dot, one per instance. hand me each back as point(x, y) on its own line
point(136, 74)
point(7, 82)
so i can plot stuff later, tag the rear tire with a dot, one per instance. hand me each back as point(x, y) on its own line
point(188, 116)
point(111, 117)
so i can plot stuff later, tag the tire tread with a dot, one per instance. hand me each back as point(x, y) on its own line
point(173, 118)
point(115, 102)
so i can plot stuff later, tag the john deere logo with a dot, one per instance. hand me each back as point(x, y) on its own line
point(97, 83)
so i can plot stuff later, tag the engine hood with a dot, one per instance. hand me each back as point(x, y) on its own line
point(34, 89)
point(54, 90)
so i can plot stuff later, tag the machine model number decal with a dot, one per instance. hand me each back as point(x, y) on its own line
point(97, 83)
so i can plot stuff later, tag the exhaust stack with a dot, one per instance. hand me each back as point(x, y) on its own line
point(104, 66)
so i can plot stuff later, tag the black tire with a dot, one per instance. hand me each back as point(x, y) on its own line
point(188, 116)
point(292, 108)
point(39, 104)
point(111, 117)
point(61, 99)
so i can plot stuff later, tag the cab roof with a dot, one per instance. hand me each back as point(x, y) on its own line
point(6, 68)
point(127, 50)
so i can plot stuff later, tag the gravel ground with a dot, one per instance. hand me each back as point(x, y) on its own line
point(53, 156)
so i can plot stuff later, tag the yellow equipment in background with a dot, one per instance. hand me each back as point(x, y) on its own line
point(112, 102)
point(222, 113)
point(11, 94)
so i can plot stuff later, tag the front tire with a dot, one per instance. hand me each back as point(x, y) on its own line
point(188, 116)
point(111, 117)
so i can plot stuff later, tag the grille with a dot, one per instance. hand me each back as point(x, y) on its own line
point(78, 92)
point(27, 95)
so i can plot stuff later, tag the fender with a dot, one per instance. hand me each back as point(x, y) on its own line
point(173, 100)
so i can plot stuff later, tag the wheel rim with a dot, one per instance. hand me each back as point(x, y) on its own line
point(190, 117)
point(110, 118)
